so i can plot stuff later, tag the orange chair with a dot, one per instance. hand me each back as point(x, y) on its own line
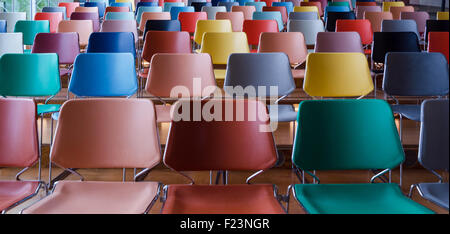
point(152, 16)
point(247, 10)
point(18, 148)
point(281, 9)
point(53, 17)
point(291, 43)
point(186, 152)
point(362, 26)
point(317, 4)
point(396, 11)
point(376, 18)
point(438, 42)
point(188, 20)
point(193, 72)
point(84, 28)
point(103, 133)
point(70, 7)
point(236, 18)
point(254, 28)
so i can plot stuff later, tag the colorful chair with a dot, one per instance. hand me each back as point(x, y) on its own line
point(204, 26)
point(361, 9)
point(123, 4)
point(228, 5)
point(400, 26)
point(101, 6)
point(88, 16)
point(396, 11)
point(438, 42)
point(152, 16)
point(29, 29)
point(188, 20)
point(330, 24)
point(436, 26)
point(442, 15)
point(212, 10)
point(315, 3)
point(376, 19)
point(307, 9)
point(270, 15)
point(258, 5)
point(282, 10)
point(309, 28)
point(387, 5)
point(119, 16)
point(246, 10)
point(198, 5)
point(338, 42)
point(162, 25)
point(56, 9)
point(120, 26)
point(254, 28)
point(236, 19)
point(11, 19)
point(303, 16)
point(143, 9)
point(84, 28)
point(175, 10)
point(111, 42)
point(420, 17)
point(168, 5)
point(288, 5)
point(127, 1)
point(70, 7)
point(329, 9)
point(362, 26)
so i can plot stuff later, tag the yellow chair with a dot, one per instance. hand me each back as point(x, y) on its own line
point(204, 26)
point(130, 1)
point(442, 15)
point(337, 75)
point(307, 9)
point(388, 5)
point(219, 45)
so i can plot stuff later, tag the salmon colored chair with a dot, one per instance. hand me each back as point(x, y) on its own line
point(87, 9)
point(366, 3)
point(361, 9)
point(247, 10)
point(188, 20)
point(281, 9)
point(152, 16)
point(396, 11)
point(70, 7)
point(18, 148)
point(236, 19)
point(185, 152)
point(362, 26)
point(116, 9)
point(438, 42)
point(254, 28)
point(53, 17)
point(103, 133)
point(291, 43)
point(376, 18)
point(204, 26)
point(87, 16)
point(120, 26)
point(84, 28)
point(317, 4)
point(387, 5)
point(171, 70)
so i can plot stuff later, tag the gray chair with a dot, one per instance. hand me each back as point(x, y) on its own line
point(400, 26)
point(260, 72)
point(434, 150)
point(303, 16)
point(55, 9)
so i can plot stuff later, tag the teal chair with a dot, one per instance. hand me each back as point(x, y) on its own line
point(349, 135)
point(258, 5)
point(270, 15)
point(143, 9)
point(30, 28)
point(119, 16)
point(168, 5)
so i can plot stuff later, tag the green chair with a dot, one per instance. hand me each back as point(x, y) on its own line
point(30, 28)
point(349, 135)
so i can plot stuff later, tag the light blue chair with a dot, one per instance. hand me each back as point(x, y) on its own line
point(168, 5)
point(269, 15)
point(143, 9)
point(119, 16)
point(175, 10)
point(123, 4)
point(100, 5)
point(289, 6)
point(258, 5)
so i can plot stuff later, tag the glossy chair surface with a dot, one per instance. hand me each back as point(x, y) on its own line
point(84, 28)
point(204, 26)
point(29, 29)
point(11, 43)
point(254, 28)
point(64, 44)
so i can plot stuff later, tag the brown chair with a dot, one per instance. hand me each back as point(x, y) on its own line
point(84, 28)
point(376, 18)
point(361, 9)
point(171, 70)
point(18, 148)
point(231, 145)
point(420, 17)
point(291, 43)
point(247, 10)
point(103, 133)
point(236, 19)
point(396, 11)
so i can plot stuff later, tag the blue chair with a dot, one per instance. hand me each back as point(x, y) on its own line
point(123, 4)
point(145, 4)
point(55, 9)
point(289, 6)
point(119, 16)
point(228, 5)
point(175, 10)
point(269, 15)
point(161, 25)
point(334, 9)
point(198, 5)
point(216, 2)
point(2, 26)
point(258, 5)
point(112, 42)
point(103, 75)
point(168, 5)
point(101, 7)
point(143, 9)
point(242, 2)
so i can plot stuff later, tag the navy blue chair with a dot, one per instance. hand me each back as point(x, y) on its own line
point(162, 25)
point(101, 7)
point(112, 42)
point(198, 5)
point(384, 42)
point(228, 5)
point(2, 26)
point(142, 4)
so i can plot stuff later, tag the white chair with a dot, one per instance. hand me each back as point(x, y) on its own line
point(212, 10)
point(309, 28)
point(11, 19)
point(11, 43)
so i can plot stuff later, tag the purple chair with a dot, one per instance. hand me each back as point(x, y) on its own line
point(420, 17)
point(87, 16)
point(338, 42)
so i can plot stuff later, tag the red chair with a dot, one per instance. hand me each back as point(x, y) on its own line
point(221, 148)
point(366, 3)
point(188, 20)
point(53, 17)
point(438, 42)
point(254, 28)
point(70, 7)
point(116, 9)
point(281, 9)
point(18, 148)
point(362, 26)
point(316, 3)
point(268, 2)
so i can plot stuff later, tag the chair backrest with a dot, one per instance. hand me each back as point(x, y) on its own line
point(349, 3)
point(260, 72)
point(143, 9)
point(291, 43)
point(112, 42)
point(70, 7)
point(433, 143)
point(361, 26)
point(84, 28)
point(87, 9)
point(228, 5)
point(324, 143)
point(168, 5)
point(376, 19)
point(400, 26)
point(329, 9)
point(420, 17)
point(106, 133)
point(29, 75)
point(303, 16)
point(162, 25)
point(236, 19)
point(282, 10)
point(316, 4)
point(11, 43)
point(334, 16)
point(387, 5)
point(174, 11)
point(171, 70)
point(269, 2)
point(340, 42)
point(18, 131)
point(56, 9)
point(11, 19)
point(120, 26)
point(438, 42)
point(288, 5)
point(258, 5)
point(442, 15)
point(307, 9)
point(101, 6)
point(309, 28)
point(127, 1)
point(254, 28)
point(146, 4)
point(103, 75)
point(123, 4)
point(88, 16)
point(165, 42)
point(370, 3)
point(436, 26)
point(221, 44)
point(119, 16)
point(242, 2)
point(204, 26)
point(212, 10)
point(384, 42)
point(66, 45)
point(270, 15)
point(246, 10)
point(337, 75)
point(29, 29)
point(198, 5)
point(152, 16)
point(396, 11)
point(185, 152)
point(361, 9)
point(415, 74)
point(188, 20)
point(116, 9)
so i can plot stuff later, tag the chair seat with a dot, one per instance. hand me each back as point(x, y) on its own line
point(298, 73)
point(221, 199)
point(96, 197)
point(47, 108)
point(14, 191)
point(435, 192)
point(286, 113)
point(162, 113)
point(378, 198)
point(411, 112)
point(220, 74)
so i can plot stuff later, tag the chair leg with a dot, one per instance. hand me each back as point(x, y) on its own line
point(401, 141)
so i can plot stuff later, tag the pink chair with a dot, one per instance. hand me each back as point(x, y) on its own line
point(420, 17)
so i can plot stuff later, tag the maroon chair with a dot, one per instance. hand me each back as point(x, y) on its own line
point(87, 16)
point(338, 42)
point(18, 148)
